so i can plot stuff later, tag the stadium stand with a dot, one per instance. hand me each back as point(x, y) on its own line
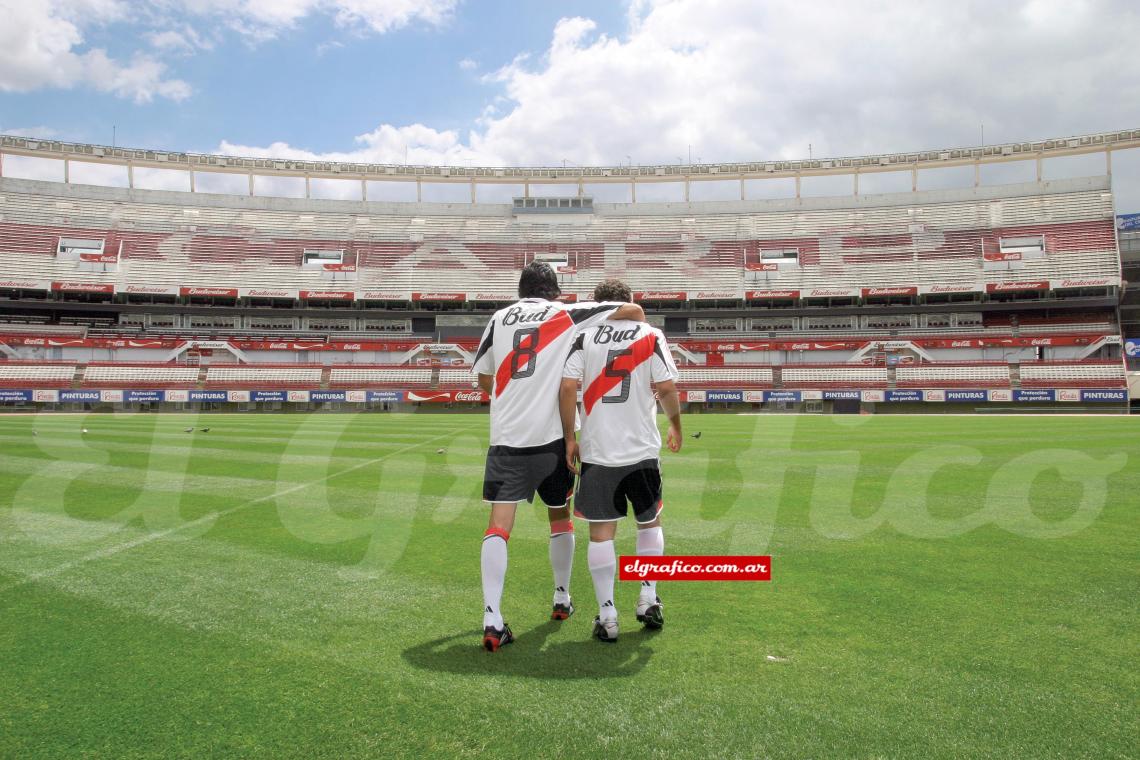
point(368, 377)
point(1087, 374)
point(140, 376)
point(952, 376)
point(261, 376)
point(825, 376)
point(962, 238)
point(20, 375)
point(729, 375)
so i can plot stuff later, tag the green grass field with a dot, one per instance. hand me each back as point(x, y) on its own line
point(307, 586)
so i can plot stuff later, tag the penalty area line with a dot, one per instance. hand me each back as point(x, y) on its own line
point(111, 551)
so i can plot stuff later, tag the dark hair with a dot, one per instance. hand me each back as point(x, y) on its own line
point(613, 290)
point(539, 281)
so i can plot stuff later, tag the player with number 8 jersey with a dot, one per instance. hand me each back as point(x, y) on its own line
point(519, 363)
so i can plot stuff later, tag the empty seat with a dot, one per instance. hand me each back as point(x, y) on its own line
point(36, 375)
point(364, 377)
point(939, 375)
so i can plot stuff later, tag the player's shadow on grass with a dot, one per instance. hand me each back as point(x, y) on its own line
point(528, 657)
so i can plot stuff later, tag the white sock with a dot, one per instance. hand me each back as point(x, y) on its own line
point(493, 560)
point(562, 559)
point(603, 567)
point(650, 543)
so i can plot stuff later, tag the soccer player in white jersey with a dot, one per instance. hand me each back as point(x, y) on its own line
point(618, 364)
point(519, 363)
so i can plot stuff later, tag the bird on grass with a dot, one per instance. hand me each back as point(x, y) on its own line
point(695, 435)
point(440, 451)
point(188, 430)
point(205, 430)
point(84, 431)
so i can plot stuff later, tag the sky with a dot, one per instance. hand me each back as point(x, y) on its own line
point(461, 82)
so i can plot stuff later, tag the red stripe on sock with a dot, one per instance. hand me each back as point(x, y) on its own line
point(497, 532)
point(562, 526)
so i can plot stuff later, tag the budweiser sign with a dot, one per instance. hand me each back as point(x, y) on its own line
point(220, 292)
point(831, 293)
point(150, 290)
point(568, 298)
point(1094, 282)
point(656, 295)
point(493, 297)
point(381, 295)
point(449, 297)
point(753, 295)
point(712, 295)
point(897, 291)
point(327, 295)
point(970, 287)
point(1012, 287)
point(25, 284)
point(266, 293)
point(82, 287)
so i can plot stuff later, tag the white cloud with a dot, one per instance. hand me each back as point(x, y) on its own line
point(39, 47)
point(466, 64)
point(261, 20)
point(42, 42)
point(739, 80)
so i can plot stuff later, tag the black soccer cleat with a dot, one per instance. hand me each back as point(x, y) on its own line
point(562, 611)
point(493, 638)
point(650, 615)
point(606, 631)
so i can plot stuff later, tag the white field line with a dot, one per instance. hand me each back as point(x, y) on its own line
point(151, 537)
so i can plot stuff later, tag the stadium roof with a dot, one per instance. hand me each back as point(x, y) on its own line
point(1038, 150)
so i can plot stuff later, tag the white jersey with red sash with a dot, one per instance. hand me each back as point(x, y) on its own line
point(524, 347)
point(617, 363)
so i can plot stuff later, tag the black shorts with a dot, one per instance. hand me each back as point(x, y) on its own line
point(605, 492)
point(514, 473)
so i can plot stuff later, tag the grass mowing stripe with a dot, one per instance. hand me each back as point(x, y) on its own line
point(158, 535)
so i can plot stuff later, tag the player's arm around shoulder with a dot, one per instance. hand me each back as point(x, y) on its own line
point(630, 311)
point(665, 377)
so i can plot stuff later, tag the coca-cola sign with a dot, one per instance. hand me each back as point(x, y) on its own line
point(340, 267)
point(215, 292)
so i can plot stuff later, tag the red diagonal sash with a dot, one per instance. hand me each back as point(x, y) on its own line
point(547, 332)
point(642, 349)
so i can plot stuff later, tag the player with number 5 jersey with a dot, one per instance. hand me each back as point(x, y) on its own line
point(519, 363)
point(619, 365)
